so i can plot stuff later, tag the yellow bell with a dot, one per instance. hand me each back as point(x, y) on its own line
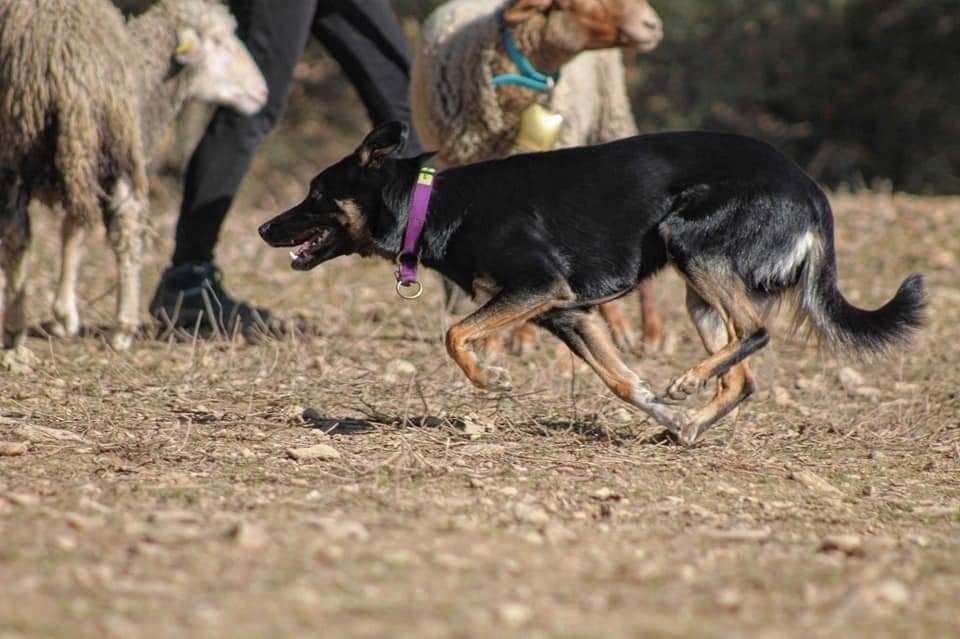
point(539, 129)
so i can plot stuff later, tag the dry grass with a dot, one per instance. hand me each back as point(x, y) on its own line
point(550, 512)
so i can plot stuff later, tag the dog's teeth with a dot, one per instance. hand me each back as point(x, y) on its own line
point(293, 255)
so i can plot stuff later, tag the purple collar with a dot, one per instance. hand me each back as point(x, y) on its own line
point(409, 257)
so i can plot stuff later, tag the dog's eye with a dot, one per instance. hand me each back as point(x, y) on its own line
point(316, 195)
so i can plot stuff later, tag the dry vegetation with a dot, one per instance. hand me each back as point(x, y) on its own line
point(166, 502)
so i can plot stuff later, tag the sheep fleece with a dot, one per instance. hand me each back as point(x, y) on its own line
point(455, 107)
point(65, 95)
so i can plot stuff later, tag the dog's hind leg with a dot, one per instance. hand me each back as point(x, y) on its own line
point(652, 321)
point(612, 313)
point(733, 386)
point(507, 308)
point(722, 291)
point(583, 332)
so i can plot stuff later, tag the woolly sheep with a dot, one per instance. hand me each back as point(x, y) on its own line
point(84, 98)
point(460, 113)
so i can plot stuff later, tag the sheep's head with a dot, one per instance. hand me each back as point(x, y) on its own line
point(593, 24)
point(223, 72)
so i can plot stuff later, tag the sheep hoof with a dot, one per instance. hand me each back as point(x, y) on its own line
point(66, 325)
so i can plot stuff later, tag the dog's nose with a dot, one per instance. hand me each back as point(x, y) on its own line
point(264, 229)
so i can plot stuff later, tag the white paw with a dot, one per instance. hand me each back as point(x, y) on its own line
point(66, 324)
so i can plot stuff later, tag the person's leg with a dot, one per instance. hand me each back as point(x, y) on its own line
point(365, 38)
point(275, 33)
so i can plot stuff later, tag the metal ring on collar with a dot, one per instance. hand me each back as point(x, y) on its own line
point(401, 286)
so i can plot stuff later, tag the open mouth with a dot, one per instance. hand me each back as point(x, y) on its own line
point(303, 257)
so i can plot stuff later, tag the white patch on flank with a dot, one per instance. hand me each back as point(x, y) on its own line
point(781, 270)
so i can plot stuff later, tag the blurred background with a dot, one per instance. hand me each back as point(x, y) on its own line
point(862, 93)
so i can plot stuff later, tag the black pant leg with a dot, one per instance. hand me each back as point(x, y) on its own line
point(276, 33)
point(365, 38)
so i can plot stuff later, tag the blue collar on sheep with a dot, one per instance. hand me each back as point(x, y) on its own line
point(529, 77)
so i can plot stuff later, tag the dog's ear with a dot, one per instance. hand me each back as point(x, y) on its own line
point(520, 10)
point(380, 143)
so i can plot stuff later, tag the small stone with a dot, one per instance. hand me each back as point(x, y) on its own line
point(82, 523)
point(814, 482)
point(850, 379)
point(622, 415)
point(530, 514)
point(870, 392)
point(558, 534)
point(605, 494)
point(323, 452)
point(729, 598)
point(892, 591)
point(326, 552)
point(336, 530)
point(739, 534)
point(249, 536)
point(907, 388)
point(22, 499)
point(509, 491)
point(848, 544)
point(13, 449)
point(401, 368)
point(514, 614)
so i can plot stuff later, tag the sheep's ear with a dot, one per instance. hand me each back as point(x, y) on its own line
point(188, 49)
point(380, 143)
point(521, 10)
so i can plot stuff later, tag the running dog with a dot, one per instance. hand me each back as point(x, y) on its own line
point(547, 237)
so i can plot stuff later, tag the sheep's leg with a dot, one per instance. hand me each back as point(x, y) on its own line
point(14, 242)
point(65, 300)
point(127, 211)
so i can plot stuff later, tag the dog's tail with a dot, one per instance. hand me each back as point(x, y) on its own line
point(845, 327)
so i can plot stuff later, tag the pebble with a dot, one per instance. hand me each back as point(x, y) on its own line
point(846, 543)
point(401, 368)
point(514, 614)
point(781, 397)
point(850, 379)
point(82, 523)
point(891, 591)
point(249, 536)
point(13, 449)
point(336, 530)
point(558, 534)
point(530, 514)
point(605, 494)
point(323, 452)
point(814, 482)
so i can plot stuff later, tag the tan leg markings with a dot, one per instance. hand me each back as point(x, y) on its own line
point(499, 313)
point(612, 313)
point(590, 339)
point(523, 339)
point(652, 321)
point(727, 298)
point(733, 387)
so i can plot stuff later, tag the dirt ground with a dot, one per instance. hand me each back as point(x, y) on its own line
point(165, 502)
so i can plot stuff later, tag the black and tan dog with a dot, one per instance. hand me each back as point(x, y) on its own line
point(548, 236)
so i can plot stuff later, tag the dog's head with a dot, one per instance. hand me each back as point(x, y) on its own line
point(594, 24)
point(334, 219)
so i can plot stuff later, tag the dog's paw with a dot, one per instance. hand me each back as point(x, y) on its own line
point(496, 379)
point(684, 386)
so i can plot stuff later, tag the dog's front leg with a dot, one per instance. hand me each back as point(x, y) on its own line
point(505, 309)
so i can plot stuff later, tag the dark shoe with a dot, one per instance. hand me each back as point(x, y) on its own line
point(191, 296)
